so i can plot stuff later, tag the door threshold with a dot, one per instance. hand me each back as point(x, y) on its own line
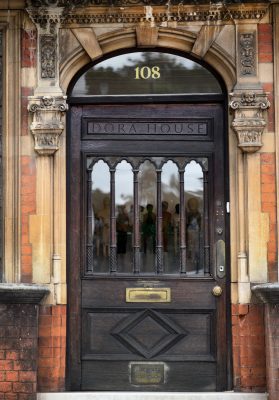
point(151, 396)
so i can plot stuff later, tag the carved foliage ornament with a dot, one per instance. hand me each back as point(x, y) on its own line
point(48, 56)
point(247, 53)
point(48, 124)
point(249, 122)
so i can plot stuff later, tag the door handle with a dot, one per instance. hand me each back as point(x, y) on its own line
point(217, 291)
point(221, 259)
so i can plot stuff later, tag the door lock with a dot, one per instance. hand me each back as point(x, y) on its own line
point(221, 259)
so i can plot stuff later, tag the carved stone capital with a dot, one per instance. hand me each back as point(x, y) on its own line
point(46, 16)
point(249, 122)
point(48, 122)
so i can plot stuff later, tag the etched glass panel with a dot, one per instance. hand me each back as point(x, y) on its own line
point(194, 196)
point(144, 73)
point(147, 215)
point(124, 216)
point(101, 216)
point(170, 217)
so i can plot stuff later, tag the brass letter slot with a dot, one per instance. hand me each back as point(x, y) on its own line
point(148, 295)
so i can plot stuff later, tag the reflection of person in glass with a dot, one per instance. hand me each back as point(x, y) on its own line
point(122, 227)
point(166, 225)
point(97, 233)
point(193, 227)
point(176, 222)
point(131, 217)
point(149, 228)
point(104, 216)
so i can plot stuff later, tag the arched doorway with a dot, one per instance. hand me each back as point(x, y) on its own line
point(147, 226)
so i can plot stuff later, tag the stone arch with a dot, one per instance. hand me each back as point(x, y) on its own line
point(168, 38)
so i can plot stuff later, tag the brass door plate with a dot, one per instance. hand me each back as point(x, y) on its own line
point(148, 295)
point(147, 373)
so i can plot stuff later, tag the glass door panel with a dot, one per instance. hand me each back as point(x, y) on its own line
point(170, 216)
point(100, 200)
point(194, 196)
point(148, 216)
point(124, 208)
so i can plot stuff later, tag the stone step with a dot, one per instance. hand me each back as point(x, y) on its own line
point(151, 396)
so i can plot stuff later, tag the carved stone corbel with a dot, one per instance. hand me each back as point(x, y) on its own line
point(47, 124)
point(249, 122)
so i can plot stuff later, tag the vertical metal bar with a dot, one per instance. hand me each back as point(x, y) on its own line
point(89, 225)
point(182, 224)
point(113, 245)
point(136, 224)
point(206, 224)
point(159, 226)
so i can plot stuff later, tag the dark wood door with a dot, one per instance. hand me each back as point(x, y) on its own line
point(146, 219)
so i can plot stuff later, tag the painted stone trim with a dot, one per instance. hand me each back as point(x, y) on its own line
point(249, 122)
point(48, 124)
point(247, 52)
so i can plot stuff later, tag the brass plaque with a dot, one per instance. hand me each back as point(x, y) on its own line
point(148, 295)
point(142, 373)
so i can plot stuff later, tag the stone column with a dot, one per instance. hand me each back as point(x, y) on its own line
point(269, 294)
point(46, 127)
point(248, 110)
point(48, 106)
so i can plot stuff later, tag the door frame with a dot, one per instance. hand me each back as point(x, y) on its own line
point(73, 365)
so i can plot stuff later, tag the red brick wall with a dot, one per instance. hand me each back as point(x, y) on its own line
point(248, 348)
point(268, 179)
point(18, 351)
point(268, 186)
point(28, 48)
point(269, 89)
point(52, 348)
point(265, 48)
point(272, 339)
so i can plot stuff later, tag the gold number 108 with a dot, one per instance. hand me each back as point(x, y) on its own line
point(147, 72)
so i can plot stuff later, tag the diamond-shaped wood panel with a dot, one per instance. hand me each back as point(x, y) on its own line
point(148, 333)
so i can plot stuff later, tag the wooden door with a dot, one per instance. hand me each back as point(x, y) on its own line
point(146, 245)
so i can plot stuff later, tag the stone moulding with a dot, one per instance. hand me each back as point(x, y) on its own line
point(22, 293)
point(267, 292)
point(48, 15)
point(248, 122)
point(48, 122)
